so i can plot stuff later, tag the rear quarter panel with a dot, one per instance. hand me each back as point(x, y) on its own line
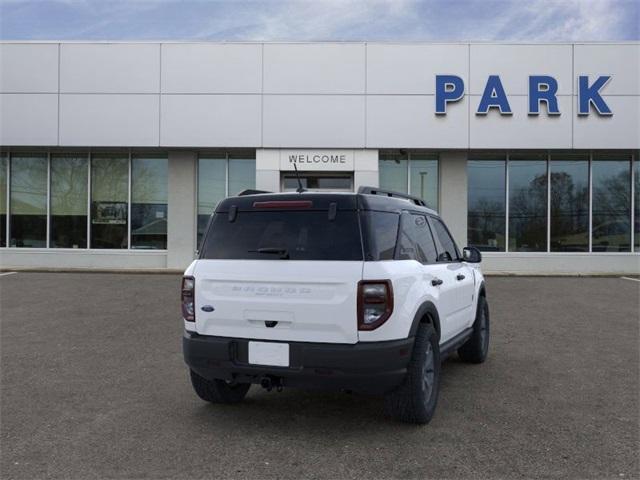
point(409, 290)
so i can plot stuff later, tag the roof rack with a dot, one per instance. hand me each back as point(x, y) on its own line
point(391, 193)
point(250, 191)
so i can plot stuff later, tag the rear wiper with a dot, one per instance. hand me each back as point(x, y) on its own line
point(284, 254)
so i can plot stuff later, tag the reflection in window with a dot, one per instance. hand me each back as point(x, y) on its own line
point(423, 172)
point(109, 194)
point(317, 182)
point(611, 230)
point(486, 203)
point(211, 188)
point(69, 201)
point(3, 200)
point(569, 203)
point(28, 225)
point(636, 189)
point(528, 203)
point(215, 182)
point(393, 171)
point(149, 196)
point(242, 173)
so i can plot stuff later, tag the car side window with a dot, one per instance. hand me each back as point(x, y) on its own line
point(447, 251)
point(416, 241)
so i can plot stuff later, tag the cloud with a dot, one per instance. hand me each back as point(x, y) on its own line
point(331, 20)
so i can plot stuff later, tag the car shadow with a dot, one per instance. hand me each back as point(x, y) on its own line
point(314, 409)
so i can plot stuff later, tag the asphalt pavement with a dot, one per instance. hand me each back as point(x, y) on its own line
point(93, 385)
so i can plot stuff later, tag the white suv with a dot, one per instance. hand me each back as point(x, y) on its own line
point(362, 292)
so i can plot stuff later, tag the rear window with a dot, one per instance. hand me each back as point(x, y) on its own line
point(284, 235)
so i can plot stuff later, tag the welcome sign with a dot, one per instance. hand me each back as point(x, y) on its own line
point(317, 160)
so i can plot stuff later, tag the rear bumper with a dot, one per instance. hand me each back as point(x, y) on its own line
point(372, 367)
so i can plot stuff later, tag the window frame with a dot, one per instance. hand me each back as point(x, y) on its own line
point(224, 156)
point(403, 215)
point(633, 159)
point(439, 246)
point(408, 156)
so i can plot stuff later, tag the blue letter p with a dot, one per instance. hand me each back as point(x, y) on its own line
point(449, 88)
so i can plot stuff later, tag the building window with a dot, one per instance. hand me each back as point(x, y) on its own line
point(487, 201)
point(569, 210)
point(68, 208)
point(149, 196)
point(528, 203)
point(28, 204)
point(415, 173)
point(221, 175)
point(636, 202)
point(4, 165)
point(611, 184)
point(549, 196)
point(109, 197)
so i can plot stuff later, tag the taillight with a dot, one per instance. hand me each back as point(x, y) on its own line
point(188, 299)
point(375, 303)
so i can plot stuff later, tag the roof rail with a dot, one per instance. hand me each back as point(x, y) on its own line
point(391, 193)
point(250, 191)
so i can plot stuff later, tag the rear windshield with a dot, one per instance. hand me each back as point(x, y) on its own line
point(284, 235)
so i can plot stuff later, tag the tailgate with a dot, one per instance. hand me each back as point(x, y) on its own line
point(305, 301)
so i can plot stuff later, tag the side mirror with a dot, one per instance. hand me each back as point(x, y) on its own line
point(471, 255)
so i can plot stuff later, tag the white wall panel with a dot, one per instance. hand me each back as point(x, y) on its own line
point(211, 120)
point(28, 68)
point(313, 121)
point(110, 68)
point(28, 119)
point(621, 130)
point(411, 69)
point(314, 68)
point(211, 68)
point(514, 64)
point(409, 121)
point(109, 120)
point(620, 61)
point(521, 130)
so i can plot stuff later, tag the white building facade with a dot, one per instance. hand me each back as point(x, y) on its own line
point(113, 155)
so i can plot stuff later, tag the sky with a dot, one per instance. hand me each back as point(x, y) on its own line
point(321, 20)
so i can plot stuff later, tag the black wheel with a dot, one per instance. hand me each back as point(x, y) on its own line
point(218, 391)
point(415, 400)
point(476, 348)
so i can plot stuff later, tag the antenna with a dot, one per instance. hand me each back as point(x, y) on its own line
point(300, 189)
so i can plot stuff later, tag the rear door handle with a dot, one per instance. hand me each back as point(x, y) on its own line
point(460, 277)
point(436, 281)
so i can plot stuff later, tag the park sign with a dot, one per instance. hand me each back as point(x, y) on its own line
point(542, 89)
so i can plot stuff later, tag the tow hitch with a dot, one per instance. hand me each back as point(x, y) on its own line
point(269, 382)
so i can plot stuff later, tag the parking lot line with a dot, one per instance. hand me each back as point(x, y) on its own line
point(7, 273)
point(632, 279)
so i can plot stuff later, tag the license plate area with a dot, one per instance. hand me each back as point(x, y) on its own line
point(269, 353)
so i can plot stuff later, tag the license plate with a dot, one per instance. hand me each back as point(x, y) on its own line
point(269, 353)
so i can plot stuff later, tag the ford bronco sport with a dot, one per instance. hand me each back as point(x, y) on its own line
point(363, 292)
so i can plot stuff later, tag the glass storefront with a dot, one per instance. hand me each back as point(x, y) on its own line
point(149, 197)
point(4, 165)
point(580, 201)
point(415, 173)
point(528, 203)
point(109, 201)
point(487, 202)
point(79, 200)
point(28, 213)
point(220, 175)
point(569, 210)
point(68, 210)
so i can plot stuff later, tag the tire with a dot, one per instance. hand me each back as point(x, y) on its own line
point(476, 348)
point(218, 391)
point(414, 401)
